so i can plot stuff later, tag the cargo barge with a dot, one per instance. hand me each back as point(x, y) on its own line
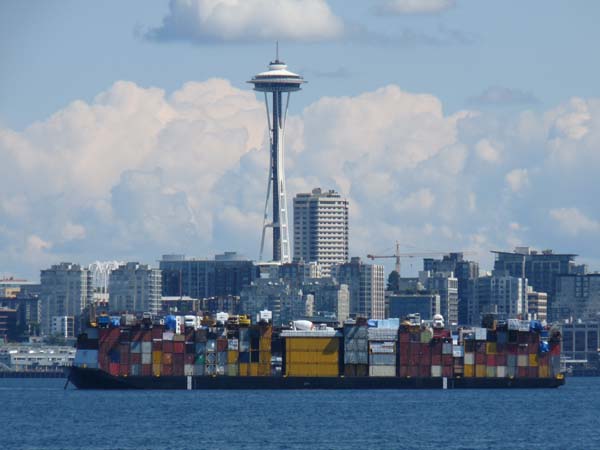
point(362, 355)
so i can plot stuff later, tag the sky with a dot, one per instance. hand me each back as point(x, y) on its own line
point(128, 131)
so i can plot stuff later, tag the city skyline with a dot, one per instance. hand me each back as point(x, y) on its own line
point(144, 152)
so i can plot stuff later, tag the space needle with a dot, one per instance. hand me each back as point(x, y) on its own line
point(277, 81)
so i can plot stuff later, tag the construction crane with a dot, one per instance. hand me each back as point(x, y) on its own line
point(397, 255)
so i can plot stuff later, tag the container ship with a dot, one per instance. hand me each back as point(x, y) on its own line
point(373, 354)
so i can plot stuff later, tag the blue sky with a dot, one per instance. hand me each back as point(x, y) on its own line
point(509, 93)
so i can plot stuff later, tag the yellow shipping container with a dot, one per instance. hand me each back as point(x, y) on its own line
point(469, 370)
point(244, 370)
point(232, 356)
point(156, 370)
point(264, 357)
point(312, 370)
point(320, 344)
point(253, 372)
point(544, 371)
point(313, 357)
point(490, 348)
point(265, 344)
point(533, 360)
point(264, 370)
point(156, 357)
point(480, 371)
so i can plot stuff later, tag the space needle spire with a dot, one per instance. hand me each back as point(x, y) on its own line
point(277, 81)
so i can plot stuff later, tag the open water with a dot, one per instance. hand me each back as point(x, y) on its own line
point(40, 414)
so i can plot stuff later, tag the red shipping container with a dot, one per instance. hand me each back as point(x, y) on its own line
point(114, 369)
point(490, 360)
point(533, 372)
point(512, 349)
point(436, 360)
point(135, 358)
point(534, 338)
point(403, 371)
point(426, 351)
point(447, 360)
point(178, 371)
point(533, 348)
point(523, 337)
point(178, 347)
point(166, 370)
point(501, 359)
point(189, 358)
point(424, 371)
point(447, 371)
point(177, 360)
point(523, 349)
point(136, 336)
point(146, 370)
point(123, 370)
point(403, 358)
point(157, 332)
point(555, 350)
point(157, 345)
point(167, 346)
point(523, 372)
point(436, 348)
point(147, 336)
point(404, 338)
point(480, 358)
point(544, 359)
point(413, 371)
point(221, 345)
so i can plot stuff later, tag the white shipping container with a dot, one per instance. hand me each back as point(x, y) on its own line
point(232, 344)
point(188, 369)
point(382, 371)
point(523, 360)
point(447, 348)
point(524, 325)
point(147, 347)
point(469, 358)
point(480, 334)
point(382, 347)
point(513, 324)
point(436, 371)
point(458, 351)
point(168, 336)
point(146, 358)
point(501, 371)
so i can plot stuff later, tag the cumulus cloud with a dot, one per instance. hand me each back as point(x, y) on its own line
point(248, 20)
point(486, 151)
point(573, 221)
point(414, 6)
point(138, 172)
point(503, 96)
point(517, 179)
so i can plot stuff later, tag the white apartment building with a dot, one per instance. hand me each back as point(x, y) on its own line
point(135, 287)
point(321, 228)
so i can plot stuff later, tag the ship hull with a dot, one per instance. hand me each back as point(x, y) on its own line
point(84, 378)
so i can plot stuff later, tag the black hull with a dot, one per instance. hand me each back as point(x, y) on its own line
point(97, 379)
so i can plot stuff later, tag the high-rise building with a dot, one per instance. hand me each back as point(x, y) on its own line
point(321, 228)
point(446, 285)
point(499, 293)
point(426, 305)
point(366, 285)
point(540, 268)
point(577, 297)
point(463, 270)
point(537, 304)
point(66, 289)
point(277, 81)
point(225, 275)
point(134, 287)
